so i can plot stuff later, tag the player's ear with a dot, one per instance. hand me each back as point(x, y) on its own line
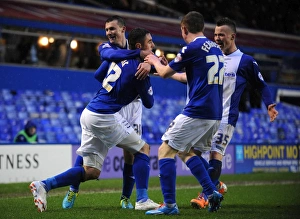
point(138, 45)
point(124, 29)
point(233, 36)
point(185, 30)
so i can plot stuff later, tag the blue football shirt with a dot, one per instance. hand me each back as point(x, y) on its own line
point(120, 87)
point(203, 63)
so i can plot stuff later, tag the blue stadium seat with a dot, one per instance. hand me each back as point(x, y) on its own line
point(67, 129)
point(62, 138)
point(50, 137)
point(57, 116)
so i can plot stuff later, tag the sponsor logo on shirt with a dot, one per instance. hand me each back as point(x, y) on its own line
point(229, 74)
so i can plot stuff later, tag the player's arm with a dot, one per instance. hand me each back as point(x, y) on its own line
point(267, 99)
point(164, 71)
point(258, 83)
point(181, 77)
point(119, 54)
point(101, 72)
point(112, 54)
point(145, 91)
point(145, 68)
point(109, 53)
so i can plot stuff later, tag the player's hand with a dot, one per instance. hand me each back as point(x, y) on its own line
point(272, 112)
point(163, 60)
point(144, 53)
point(143, 71)
point(151, 59)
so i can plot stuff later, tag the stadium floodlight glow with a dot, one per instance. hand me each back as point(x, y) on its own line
point(158, 52)
point(170, 56)
point(43, 41)
point(74, 44)
point(51, 40)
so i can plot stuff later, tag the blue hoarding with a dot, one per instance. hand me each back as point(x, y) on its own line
point(267, 158)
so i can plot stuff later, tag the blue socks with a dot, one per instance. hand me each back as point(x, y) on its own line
point(75, 175)
point(78, 163)
point(214, 170)
point(198, 170)
point(141, 170)
point(167, 177)
point(205, 163)
point(128, 181)
point(128, 178)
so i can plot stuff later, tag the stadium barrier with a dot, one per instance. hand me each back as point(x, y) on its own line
point(25, 163)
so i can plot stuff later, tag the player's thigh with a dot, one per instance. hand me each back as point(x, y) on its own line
point(132, 143)
point(133, 114)
point(179, 133)
point(206, 131)
point(185, 132)
point(93, 151)
point(111, 129)
point(222, 138)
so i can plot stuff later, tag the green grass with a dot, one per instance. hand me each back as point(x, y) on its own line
point(259, 195)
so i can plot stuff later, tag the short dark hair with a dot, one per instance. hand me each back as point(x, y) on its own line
point(118, 18)
point(193, 21)
point(137, 35)
point(228, 22)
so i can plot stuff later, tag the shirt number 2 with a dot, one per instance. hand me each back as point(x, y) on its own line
point(212, 76)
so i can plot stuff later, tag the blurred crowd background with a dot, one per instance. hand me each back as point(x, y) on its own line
point(24, 45)
point(270, 15)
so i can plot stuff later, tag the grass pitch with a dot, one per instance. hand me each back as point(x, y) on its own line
point(258, 195)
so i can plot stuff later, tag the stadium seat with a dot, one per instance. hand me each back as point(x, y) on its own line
point(57, 115)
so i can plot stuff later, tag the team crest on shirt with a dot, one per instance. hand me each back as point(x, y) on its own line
point(106, 45)
point(260, 76)
point(150, 91)
point(178, 58)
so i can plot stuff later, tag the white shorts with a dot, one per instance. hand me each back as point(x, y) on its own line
point(222, 138)
point(100, 132)
point(133, 114)
point(185, 132)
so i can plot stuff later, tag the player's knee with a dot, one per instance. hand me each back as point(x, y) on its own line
point(145, 149)
point(216, 155)
point(166, 151)
point(197, 152)
point(181, 155)
point(91, 173)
